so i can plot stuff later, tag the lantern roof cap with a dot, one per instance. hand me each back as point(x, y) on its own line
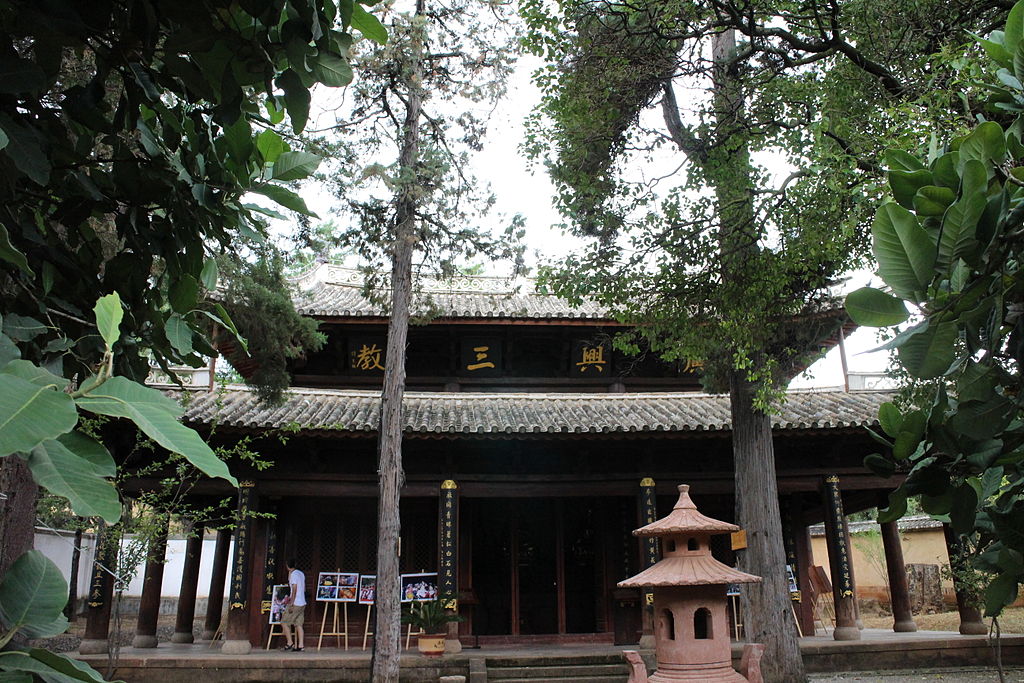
point(685, 519)
point(688, 570)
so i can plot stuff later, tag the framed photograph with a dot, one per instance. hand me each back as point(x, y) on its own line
point(327, 587)
point(419, 587)
point(367, 589)
point(277, 598)
point(348, 584)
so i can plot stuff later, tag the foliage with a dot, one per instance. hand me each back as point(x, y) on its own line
point(258, 298)
point(430, 616)
point(949, 247)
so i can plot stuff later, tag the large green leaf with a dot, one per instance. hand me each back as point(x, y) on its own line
point(30, 372)
point(60, 471)
point(270, 146)
point(49, 666)
point(179, 334)
point(890, 418)
point(332, 70)
point(368, 24)
point(32, 596)
point(30, 414)
point(983, 419)
point(932, 200)
point(1013, 32)
point(296, 99)
point(91, 450)
point(295, 165)
point(156, 415)
point(986, 143)
point(1002, 591)
point(956, 239)
point(8, 350)
point(209, 274)
point(8, 252)
point(897, 507)
point(910, 434)
point(904, 251)
point(874, 308)
point(22, 328)
point(108, 317)
point(928, 352)
point(284, 197)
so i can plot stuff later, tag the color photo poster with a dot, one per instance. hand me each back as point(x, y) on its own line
point(278, 595)
point(367, 589)
point(419, 587)
point(337, 587)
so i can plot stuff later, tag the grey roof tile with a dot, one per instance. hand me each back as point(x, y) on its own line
point(524, 413)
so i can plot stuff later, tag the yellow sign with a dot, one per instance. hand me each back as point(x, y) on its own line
point(481, 357)
point(368, 358)
point(739, 539)
point(592, 357)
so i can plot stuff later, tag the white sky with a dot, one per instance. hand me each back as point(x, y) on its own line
point(518, 190)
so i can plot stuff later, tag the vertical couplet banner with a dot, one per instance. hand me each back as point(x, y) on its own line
point(105, 560)
point(270, 574)
point(649, 514)
point(240, 568)
point(834, 503)
point(448, 545)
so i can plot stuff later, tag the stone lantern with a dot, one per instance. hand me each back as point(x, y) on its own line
point(691, 625)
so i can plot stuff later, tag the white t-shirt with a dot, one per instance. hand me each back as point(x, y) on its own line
point(298, 579)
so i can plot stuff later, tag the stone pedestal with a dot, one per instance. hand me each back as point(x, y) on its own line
point(236, 647)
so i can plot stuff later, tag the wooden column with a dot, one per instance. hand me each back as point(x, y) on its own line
point(215, 596)
point(843, 593)
point(448, 558)
point(971, 623)
point(236, 634)
point(189, 586)
point(101, 594)
point(149, 603)
point(798, 551)
point(899, 589)
point(650, 553)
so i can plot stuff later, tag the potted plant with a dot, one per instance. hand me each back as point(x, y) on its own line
point(432, 619)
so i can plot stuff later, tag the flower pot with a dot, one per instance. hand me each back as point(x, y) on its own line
point(431, 645)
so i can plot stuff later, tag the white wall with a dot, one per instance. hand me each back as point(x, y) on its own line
point(59, 546)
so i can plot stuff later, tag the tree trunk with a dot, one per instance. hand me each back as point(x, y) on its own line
point(388, 631)
point(766, 606)
point(17, 510)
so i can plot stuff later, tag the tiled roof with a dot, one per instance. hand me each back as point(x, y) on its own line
point(334, 291)
point(524, 413)
point(905, 524)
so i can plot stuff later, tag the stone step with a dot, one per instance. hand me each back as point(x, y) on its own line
point(618, 672)
point(567, 679)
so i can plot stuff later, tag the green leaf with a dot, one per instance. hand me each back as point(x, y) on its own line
point(222, 318)
point(985, 144)
point(32, 596)
point(184, 293)
point(156, 415)
point(296, 99)
point(109, 314)
point(932, 200)
point(209, 274)
point(976, 383)
point(179, 334)
point(964, 508)
point(239, 138)
point(898, 160)
point(3, 139)
point(880, 465)
point(897, 507)
point(295, 165)
point(7, 251)
point(332, 70)
point(30, 414)
point(22, 328)
point(928, 352)
point(1002, 591)
point(995, 50)
point(60, 471)
point(284, 197)
point(91, 450)
point(1013, 32)
point(30, 372)
point(890, 418)
point(25, 149)
point(8, 350)
point(956, 239)
point(368, 24)
point(983, 419)
point(905, 252)
point(50, 666)
point(905, 184)
point(873, 308)
point(270, 146)
point(944, 170)
point(910, 434)
point(939, 504)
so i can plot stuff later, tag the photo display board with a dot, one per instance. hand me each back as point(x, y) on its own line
point(337, 586)
point(278, 595)
point(367, 589)
point(419, 587)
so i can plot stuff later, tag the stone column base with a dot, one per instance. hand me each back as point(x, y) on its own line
point(646, 642)
point(180, 637)
point(237, 647)
point(208, 635)
point(846, 633)
point(907, 626)
point(142, 641)
point(973, 628)
point(94, 646)
point(452, 646)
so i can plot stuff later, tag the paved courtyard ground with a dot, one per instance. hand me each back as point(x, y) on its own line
point(960, 675)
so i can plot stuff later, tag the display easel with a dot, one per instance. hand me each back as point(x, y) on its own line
point(734, 603)
point(366, 628)
point(822, 589)
point(409, 634)
point(339, 624)
point(275, 630)
point(218, 635)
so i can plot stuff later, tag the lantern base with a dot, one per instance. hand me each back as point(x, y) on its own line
point(719, 672)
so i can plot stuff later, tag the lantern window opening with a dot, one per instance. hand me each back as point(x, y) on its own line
point(669, 624)
point(670, 545)
point(702, 624)
point(693, 544)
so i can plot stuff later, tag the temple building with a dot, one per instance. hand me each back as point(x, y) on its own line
point(531, 449)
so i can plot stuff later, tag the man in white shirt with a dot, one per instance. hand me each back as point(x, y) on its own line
point(295, 608)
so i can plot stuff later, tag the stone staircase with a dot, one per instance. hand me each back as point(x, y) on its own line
point(577, 669)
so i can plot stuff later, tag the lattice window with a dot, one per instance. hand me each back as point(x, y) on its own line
point(329, 545)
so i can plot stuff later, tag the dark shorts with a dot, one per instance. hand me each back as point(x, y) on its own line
point(293, 614)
